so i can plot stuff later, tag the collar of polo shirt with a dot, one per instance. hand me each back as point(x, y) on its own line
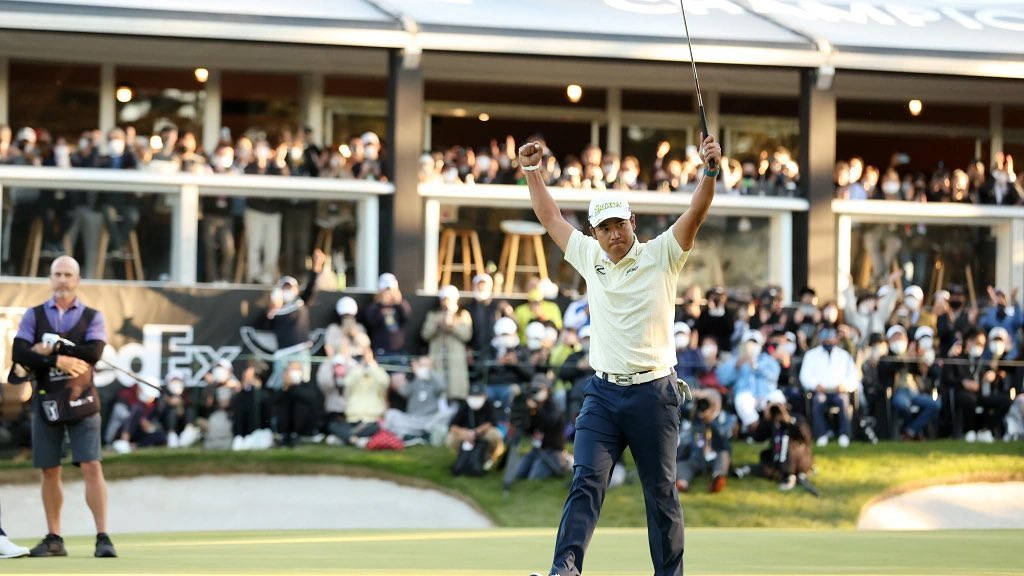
point(630, 256)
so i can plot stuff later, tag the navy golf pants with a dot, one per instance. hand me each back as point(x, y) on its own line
point(644, 417)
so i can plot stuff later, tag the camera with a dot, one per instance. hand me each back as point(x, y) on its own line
point(775, 411)
point(703, 404)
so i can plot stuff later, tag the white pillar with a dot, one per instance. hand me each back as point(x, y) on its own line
point(615, 120)
point(211, 112)
point(844, 245)
point(595, 133)
point(780, 266)
point(431, 238)
point(995, 128)
point(185, 236)
point(368, 242)
point(312, 104)
point(1017, 264)
point(5, 91)
point(712, 108)
point(427, 132)
point(108, 103)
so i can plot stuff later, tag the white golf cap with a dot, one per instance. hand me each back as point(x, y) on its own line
point(883, 291)
point(584, 332)
point(387, 280)
point(776, 397)
point(346, 306)
point(894, 330)
point(924, 332)
point(449, 292)
point(603, 208)
point(914, 291)
point(485, 278)
point(681, 328)
point(753, 336)
point(505, 326)
point(1000, 333)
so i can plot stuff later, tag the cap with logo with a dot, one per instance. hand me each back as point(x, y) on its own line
point(602, 209)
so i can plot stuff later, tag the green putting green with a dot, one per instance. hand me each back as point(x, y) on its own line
point(517, 552)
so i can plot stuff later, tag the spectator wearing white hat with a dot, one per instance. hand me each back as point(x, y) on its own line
point(484, 312)
point(913, 301)
point(689, 361)
point(509, 366)
point(1002, 314)
point(540, 306)
point(386, 319)
point(347, 311)
point(904, 370)
point(447, 331)
point(870, 313)
point(751, 377)
point(830, 373)
point(980, 384)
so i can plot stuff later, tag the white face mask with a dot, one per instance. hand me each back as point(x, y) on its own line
point(175, 387)
point(505, 342)
point(753, 349)
point(295, 376)
point(891, 187)
point(629, 178)
point(975, 351)
point(476, 402)
point(482, 295)
point(790, 348)
point(865, 308)
point(221, 374)
point(929, 357)
point(709, 351)
point(289, 295)
point(997, 348)
point(925, 343)
point(716, 312)
point(682, 341)
point(116, 147)
point(911, 303)
point(83, 143)
point(422, 373)
point(224, 162)
point(898, 346)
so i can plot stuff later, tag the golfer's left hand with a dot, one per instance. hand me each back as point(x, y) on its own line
point(711, 150)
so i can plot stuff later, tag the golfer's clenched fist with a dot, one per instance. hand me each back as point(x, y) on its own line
point(530, 154)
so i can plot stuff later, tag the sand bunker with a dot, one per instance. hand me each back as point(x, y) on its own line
point(953, 507)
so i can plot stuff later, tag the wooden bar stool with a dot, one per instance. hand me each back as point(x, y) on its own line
point(34, 253)
point(472, 256)
point(516, 232)
point(130, 256)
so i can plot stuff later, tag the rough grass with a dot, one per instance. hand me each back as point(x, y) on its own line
point(847, 478)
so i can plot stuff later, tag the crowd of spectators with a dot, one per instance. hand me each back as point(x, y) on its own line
point(502, 385)
point(272, 227)
point(772, 173)
point(999, 185)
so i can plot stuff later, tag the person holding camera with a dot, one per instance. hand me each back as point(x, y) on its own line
point(66, 401)
point(545, 428)
point(447, 330)
point(789, 455)
point(366, 386)
point(705, 445)
point(473, 436)
point(752, 376)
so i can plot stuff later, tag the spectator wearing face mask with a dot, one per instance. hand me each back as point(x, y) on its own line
point(904, 370)
point(783, 347)
point(288, 317)
point(386, 318)
point(1001, 314)
point(577, 370)
point(120, 211)
point(539, 306)
point(705, 445)
point(954, 319)
point(222, 375)
point(870, 313)
point(545, 428)
point(217, 225)
point(474, 423)
point(540, 341)
point(447, 330)
point(330, 378)
point(510, 367)
point(710, 353)
point(830, 373)
point(250, 408)
point(715, 320)
point(917, 314)
point(347, 311)
point(366, 385)
point(262, 220)
point(424, 420)
point(689, 362)
point(219, 426)
point(751, 377)
point(484, 311)
point(979, 381)
point(999, 187)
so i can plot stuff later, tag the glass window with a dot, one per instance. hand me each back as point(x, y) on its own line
point(62, 98)
point(929, 255)
point(161, 97)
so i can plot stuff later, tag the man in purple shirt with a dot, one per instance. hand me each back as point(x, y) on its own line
point(60, 341)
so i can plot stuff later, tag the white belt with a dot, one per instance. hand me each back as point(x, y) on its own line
point(638, 378)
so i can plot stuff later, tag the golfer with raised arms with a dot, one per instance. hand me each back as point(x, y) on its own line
point(633, 399)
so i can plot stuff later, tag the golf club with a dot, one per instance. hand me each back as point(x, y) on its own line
point(696, 81)
point(126, 372)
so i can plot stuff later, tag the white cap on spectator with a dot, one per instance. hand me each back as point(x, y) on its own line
point(288, 281)
point(387, 280)
point(776, 397)
point(999, 333)
point(346, 306)
point(942, 295)
point(535, 333)
point(681, 328)
point(791, 337)
point(26, 134)
point(485, 278)
point(505, 326)
point(883, 291)
point(584, 332)
point(895, 329)
point(603, 208)
point(449, 292)
point(225, 363)
point(147, 393)
point(914, 291)
point(924, 332)
point(753, 336)
point(370, 139)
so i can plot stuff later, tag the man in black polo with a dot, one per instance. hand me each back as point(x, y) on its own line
point(60, 341)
